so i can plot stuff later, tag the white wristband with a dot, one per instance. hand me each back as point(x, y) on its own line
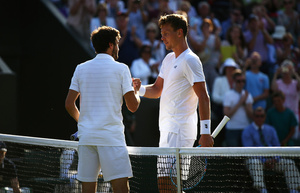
point(205, 127)
point(142, 90)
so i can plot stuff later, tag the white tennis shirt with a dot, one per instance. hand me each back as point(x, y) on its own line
point(101, 82)
point(178, 103)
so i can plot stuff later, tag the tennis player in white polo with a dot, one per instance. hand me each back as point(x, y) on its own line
point(101, 84)
point(181, 87)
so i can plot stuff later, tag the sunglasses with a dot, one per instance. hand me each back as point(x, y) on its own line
point(153, 31)
point(240, 81)
point(259, 116)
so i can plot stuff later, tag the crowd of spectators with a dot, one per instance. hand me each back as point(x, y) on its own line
point(259, 37)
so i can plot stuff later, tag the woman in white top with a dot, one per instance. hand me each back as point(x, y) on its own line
point(145, 67)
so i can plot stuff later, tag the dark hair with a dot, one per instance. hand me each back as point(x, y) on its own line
point(242, 38)
point(259, 109)
point(176, 21)
point(278, 94)
point(102, 36)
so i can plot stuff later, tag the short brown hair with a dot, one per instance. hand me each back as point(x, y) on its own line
point(176, 21)
point(102, 36)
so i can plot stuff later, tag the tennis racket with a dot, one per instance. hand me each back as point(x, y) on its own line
point(74, 136)
point(194, 167)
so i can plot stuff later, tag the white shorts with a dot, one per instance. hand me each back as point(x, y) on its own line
point(113, 160)
point(165, 162)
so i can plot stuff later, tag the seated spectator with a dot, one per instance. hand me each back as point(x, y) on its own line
point(234, 46)
point(138, 17)
point(289, 18)
point(80, 15)
point(145, 67)
point(129, 43)
point(258, 134)
point(289, 84)
point(157, 46)
point(101, 18)
point(221, 85)
point(236, 18)
point(204, 12)
point(237, 105)
point(289, 51)
point(8, 171)
point(114, 7)
point(207, 47)
point(277, 47)
point(282, 119)
point(260, 11)
point(257, 40)
point(257, 83)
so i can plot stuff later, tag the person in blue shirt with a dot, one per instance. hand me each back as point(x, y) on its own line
point(259, 134)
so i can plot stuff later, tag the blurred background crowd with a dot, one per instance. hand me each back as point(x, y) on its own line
point(260, 38)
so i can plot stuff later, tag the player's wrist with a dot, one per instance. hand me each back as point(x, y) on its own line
point(205, 127)
point(142, 90)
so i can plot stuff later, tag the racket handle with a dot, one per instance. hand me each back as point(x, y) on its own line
point(220, 126)
point(74, 136)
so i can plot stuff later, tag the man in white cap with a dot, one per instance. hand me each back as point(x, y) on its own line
point(8, 172)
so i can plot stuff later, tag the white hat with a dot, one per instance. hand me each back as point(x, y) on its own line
point(279, 32)
point(229, 62)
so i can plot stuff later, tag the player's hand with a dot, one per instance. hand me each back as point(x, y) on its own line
point(206, 140)
point(136, 82)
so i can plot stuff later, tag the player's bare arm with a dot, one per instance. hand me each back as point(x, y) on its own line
point(204, 111)
point(70, 104)
point(154, 90)
point(132, 100)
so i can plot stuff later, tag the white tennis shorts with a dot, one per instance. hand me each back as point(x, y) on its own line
point(113, 161)
point(165, 162)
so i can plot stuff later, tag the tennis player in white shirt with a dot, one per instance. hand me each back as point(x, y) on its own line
point(181, 87)
point(102, 83)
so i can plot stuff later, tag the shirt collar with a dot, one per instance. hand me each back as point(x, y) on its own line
point(104, 56)
point(256, 127)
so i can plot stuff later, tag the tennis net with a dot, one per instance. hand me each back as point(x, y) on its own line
point(50, 165)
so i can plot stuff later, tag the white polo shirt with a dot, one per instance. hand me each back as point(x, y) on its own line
point(178, 103)
point(101, 82)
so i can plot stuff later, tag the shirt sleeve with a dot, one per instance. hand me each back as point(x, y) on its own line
point(194, 71)
point(126, 80)
point(75, 82)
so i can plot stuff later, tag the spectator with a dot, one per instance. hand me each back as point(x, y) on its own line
point(234, 46)
point(204, 13)
point(8, 171)
point(259, 134)
point(114, 7)
point(236, 18)
point(138, 17)
point(260, 11)
point(207, 46)
point(257, 82)
point(277, 47)
point(164, 9)
point(145, 67)
point(185, 5)
point(102, 18)
point(129, 43)
point(282, 119)
point(289, 18)
point(221, 85)
point(80, 15)
point(237, 105)
point(289, 51)
point(289, 86)
point(157, 46)
point(257, 39)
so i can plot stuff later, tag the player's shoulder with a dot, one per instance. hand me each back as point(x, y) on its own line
point(190, 56)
